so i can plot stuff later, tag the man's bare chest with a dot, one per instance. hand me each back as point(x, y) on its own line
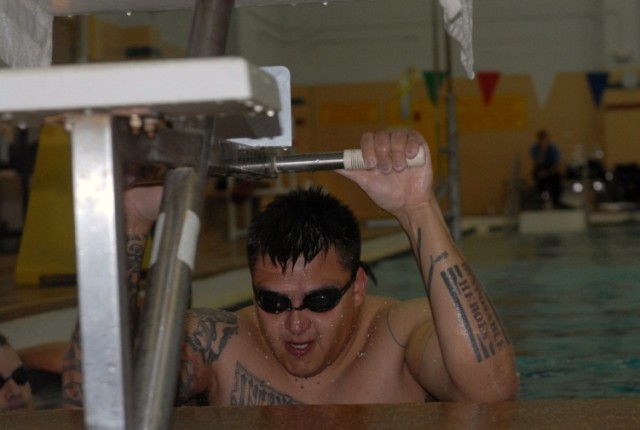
point(373, 375)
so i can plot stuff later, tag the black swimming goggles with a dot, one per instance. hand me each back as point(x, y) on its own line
point(19, 376)
point(322, 300)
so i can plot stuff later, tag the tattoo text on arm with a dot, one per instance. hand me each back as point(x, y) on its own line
point(487, 336)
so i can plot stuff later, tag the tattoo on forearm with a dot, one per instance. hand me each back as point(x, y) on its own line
point(134, 254)
point(135, 244)
point(253, 391)
point(486, 334)
point(186, 383)
point(72, 396)
point(432, 266)
point(72, 378)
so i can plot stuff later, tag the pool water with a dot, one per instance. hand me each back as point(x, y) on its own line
point(571, 304)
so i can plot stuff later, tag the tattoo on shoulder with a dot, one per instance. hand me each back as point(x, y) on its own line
point(484, 328)
point(214, 328)
point(253, 391)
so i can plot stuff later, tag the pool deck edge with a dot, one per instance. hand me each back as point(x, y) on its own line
point(539, 414)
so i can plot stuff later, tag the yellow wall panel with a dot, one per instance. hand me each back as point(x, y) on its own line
point(47, 247)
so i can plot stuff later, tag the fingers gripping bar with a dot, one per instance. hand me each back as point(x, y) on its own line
point(353, 159)
point(349, 159)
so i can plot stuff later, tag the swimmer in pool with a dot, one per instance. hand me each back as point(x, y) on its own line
point(313, 335)
point(15, 390)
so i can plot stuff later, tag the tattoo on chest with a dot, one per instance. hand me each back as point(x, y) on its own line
point(214, 329)
point(487, 335)
point(252, 391)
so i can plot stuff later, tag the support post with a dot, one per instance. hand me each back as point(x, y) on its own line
point(104, 328)
point(166, 301)
point(177, 230)
point(209, 28)
point(455, 206)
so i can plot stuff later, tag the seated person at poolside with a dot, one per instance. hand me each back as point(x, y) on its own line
point(15, 390)
point(547, 169)
point(44, 366)
point(45, 357)
point(313, 335)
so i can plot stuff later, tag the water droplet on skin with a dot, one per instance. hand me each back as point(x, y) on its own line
point(360, 354)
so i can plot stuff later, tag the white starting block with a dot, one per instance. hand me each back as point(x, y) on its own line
point(552, 221)
point(219, 87)
point(93, 101)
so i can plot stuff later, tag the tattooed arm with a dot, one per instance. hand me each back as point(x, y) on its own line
point(206, 334)
point(141, 209)
point(468, 356)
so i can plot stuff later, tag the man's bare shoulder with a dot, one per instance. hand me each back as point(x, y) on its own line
point(210, 314)
point(410, 313)
point(208, 331)
point(399, 318)
point(419, 307)
point(376, 304)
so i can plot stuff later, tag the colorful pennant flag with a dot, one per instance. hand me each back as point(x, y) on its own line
point(543, 81)
point(597, 83)
point(488, 82)
point(434, 80)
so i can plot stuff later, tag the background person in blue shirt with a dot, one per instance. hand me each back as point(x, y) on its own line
point(547, 169)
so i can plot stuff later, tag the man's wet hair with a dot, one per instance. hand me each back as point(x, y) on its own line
point(303, 224)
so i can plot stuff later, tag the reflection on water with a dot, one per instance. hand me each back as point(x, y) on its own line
point(571, 303)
